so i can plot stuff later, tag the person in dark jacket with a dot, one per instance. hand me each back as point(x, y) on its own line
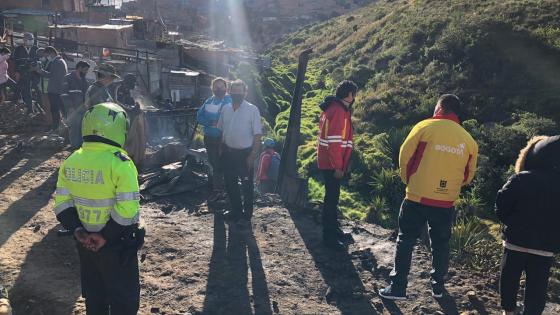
point(76, 80)
point(24, 57)
point(528, 208)
point(99, 92)
point(334, 149)
point(56, 71)
point(77, 88)
point(123, 91)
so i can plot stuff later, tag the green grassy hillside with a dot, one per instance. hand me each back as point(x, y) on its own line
point(501, 57)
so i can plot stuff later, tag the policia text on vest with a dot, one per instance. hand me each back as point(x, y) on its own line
point(97, 197)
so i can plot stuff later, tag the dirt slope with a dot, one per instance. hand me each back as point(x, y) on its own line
point(194, 263)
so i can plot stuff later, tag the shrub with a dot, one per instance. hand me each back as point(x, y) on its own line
point(472, 246)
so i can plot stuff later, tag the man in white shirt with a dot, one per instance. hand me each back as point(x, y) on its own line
point(241, 136)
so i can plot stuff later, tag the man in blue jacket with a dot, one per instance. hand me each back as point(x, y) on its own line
point(208, 116)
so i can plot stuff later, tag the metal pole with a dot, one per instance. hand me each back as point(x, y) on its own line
point(148, 73)
point(137, 60)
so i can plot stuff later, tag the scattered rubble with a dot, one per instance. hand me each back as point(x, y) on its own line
point(174, 169)
point(50, 141)
point(14, 119)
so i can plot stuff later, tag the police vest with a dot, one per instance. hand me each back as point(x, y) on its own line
point(101, 182)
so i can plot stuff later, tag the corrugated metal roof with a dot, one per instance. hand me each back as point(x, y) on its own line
point(99, 27)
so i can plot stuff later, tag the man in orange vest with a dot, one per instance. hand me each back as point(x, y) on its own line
point(333, 156)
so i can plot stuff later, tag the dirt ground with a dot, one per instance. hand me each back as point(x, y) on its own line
point(195, 263)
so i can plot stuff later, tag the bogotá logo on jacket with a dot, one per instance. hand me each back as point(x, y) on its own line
point(459, 150)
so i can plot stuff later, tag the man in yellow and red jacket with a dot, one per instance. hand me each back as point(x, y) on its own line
point(437, 158)
point(333, 156)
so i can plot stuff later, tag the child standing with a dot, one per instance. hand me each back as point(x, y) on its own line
point(269, 164)
point(527, 206)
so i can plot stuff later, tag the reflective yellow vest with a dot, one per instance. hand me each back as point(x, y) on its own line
point(101, 182)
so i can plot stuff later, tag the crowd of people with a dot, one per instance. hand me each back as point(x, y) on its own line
point(436, 160)
point(98, 197)
point(29, 72)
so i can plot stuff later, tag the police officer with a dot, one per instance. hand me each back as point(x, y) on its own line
point(97, 198)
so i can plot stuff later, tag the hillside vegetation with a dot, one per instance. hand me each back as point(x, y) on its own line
point(502, 58)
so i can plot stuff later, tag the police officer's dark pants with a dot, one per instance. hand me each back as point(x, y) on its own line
point(330, 204)
point(213, 148)
point(56, 107)
point(110, 281)
point(537, 271)
point(235, 169)
point(24, 86)
point(412, 219)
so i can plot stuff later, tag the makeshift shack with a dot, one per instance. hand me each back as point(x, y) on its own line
point(28, 20)
point(185, 87)
point(96, 35)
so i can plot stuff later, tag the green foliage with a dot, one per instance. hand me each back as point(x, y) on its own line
point(471, 202)
point(531, 124)
point(379, 212)
point(471, 244)
point(501, 57)
point(387, 184)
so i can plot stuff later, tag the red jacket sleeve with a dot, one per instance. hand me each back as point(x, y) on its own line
point(264, 164)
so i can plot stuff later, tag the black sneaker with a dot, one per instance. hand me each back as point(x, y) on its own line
point(437, 291)
point(345, 238)
point(391, 293)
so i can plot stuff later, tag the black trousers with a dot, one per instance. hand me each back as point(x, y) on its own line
point(24, 87)
point(330, 204)
point(213, 149)
point(110, 281)
point(56, 108)
point(537, 271)
point(412, 219)
point(237, 169)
